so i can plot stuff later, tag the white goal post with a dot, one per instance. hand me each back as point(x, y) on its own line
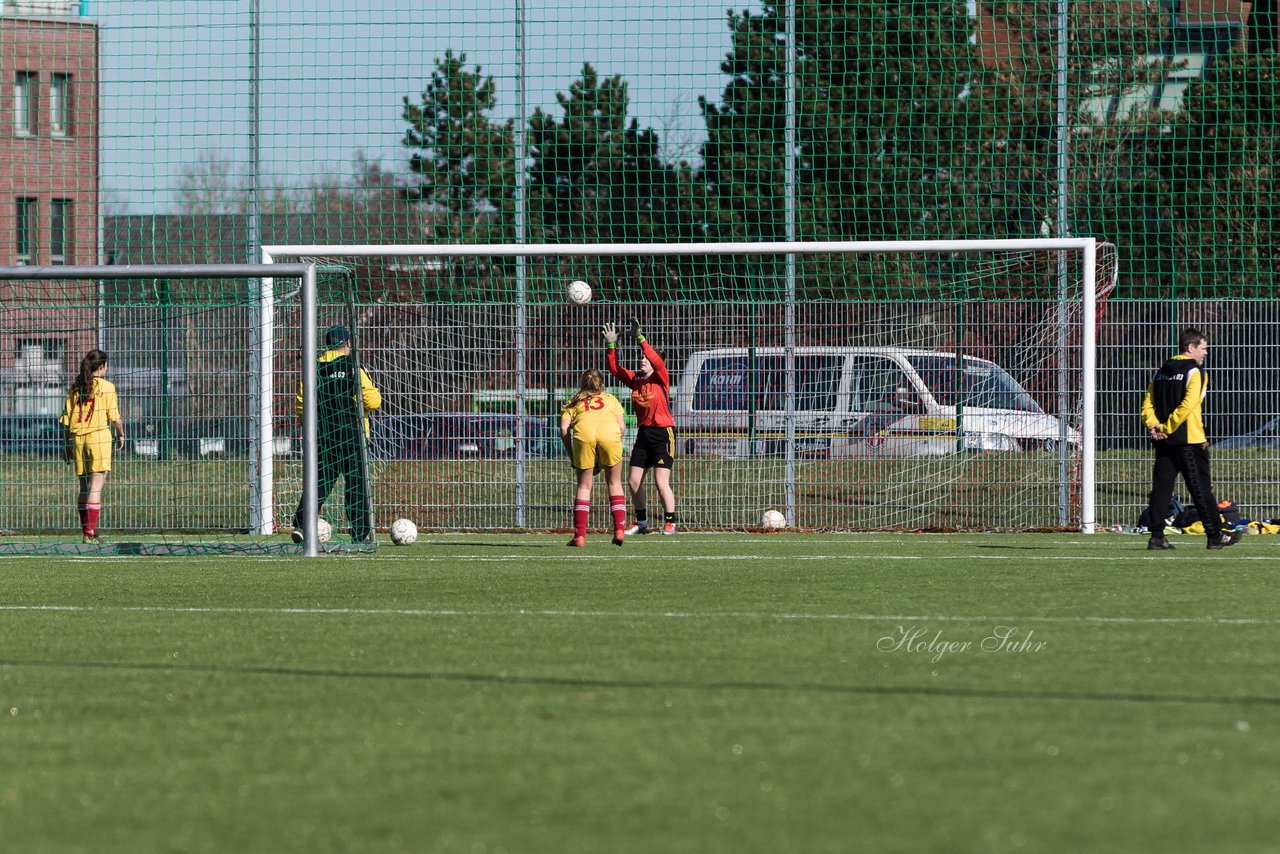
point(263, 350)
point(1087, 356)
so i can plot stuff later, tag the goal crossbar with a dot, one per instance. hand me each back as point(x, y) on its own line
point(812, 247)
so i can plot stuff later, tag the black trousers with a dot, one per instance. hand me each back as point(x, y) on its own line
point(343, 458)
point(1192, 462)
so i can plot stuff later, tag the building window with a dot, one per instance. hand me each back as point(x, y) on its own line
point(60, 105)
point(26, 103)
point(36, 380)
point(27, 223)
point(61, 230)
point(39, 352)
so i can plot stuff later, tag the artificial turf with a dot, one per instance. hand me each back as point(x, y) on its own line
point(692, 693)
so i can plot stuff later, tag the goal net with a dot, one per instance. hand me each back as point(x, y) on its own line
point(850, 386)
point(205, 363)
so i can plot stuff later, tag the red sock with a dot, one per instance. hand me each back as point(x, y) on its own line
point(618, 504)
point(91, 512)
point(80, 511)
point(580, 512)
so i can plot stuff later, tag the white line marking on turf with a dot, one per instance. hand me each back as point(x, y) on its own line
point(649, 557)
point(650, 615)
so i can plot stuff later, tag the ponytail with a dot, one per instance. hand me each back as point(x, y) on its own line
point(83, 386)
point(592, 384)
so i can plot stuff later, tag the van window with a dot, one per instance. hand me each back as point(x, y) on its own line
point(879, 384)
point(817, 383)
point(725, 383)
point(722, 384)
point(985, 384)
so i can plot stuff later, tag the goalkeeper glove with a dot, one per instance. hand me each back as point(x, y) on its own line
point(610, 333)
point(635, 329)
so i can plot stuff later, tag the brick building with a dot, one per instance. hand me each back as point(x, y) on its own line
point(49, 182)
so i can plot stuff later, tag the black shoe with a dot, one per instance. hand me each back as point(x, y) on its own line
point(1226, 538)
point(1159, 544)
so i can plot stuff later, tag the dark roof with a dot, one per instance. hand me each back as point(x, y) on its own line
point(223, 238)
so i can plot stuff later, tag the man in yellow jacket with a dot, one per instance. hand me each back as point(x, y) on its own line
point(341, 387)
point(1172, 414)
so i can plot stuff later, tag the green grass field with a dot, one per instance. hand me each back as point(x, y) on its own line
point(695, 694)
point(1006, 492)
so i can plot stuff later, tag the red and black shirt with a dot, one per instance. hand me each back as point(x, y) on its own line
point(650, 396)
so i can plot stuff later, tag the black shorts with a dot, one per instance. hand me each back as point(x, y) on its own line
point(655, 448)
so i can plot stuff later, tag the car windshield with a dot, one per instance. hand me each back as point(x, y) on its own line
point(460, 434)
point(985, 385)
point(34, 428)
point(394, 434)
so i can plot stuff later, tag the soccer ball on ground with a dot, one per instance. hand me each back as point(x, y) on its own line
point(323, 528)
point(773, 519)
point(578, 292)
point(403, 532)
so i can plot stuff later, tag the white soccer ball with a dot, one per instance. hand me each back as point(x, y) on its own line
point(773, 519)
point(578, 292)
point(324, 530)
point(403, 532)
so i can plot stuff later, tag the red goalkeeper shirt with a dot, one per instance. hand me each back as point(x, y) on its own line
point(651, 397)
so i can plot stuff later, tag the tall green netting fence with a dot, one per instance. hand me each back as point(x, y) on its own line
point(142, 132)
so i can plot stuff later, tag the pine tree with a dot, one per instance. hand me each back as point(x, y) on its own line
point(890, 102)
point(1215, 181)
point(598, 177)
point(464, 158)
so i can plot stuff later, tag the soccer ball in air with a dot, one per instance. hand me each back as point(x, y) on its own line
point(773, 519)
point(403, 532)
point(578, 292)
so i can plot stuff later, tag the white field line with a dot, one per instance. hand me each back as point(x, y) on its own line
point(651, 558)
point(647, 557)
point(648, 615)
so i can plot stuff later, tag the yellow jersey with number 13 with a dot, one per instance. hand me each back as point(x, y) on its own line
point(594, 419)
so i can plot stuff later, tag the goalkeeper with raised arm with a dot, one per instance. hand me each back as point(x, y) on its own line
point(655, 445)
point(341, 389)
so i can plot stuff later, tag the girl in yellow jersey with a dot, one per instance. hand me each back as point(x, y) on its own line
point(92, 410)
point(594, 417)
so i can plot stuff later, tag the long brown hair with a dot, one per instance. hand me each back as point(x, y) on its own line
point(592, 384)
point(83, 386)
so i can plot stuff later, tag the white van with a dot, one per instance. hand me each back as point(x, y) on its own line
point(855, 401)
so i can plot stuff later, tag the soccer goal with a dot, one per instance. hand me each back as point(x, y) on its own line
point(897, 385)
point(205, 360)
